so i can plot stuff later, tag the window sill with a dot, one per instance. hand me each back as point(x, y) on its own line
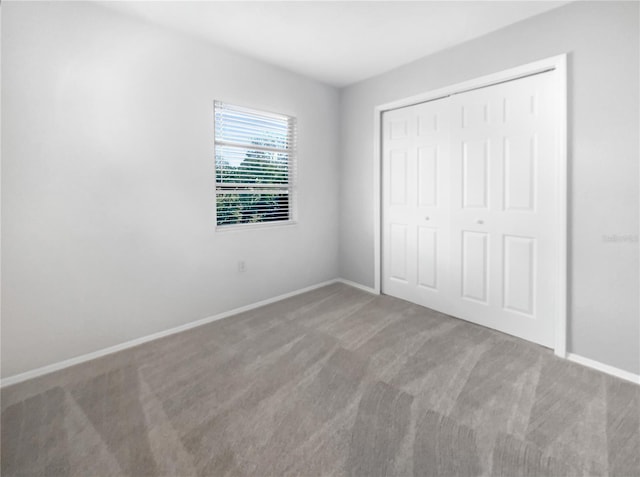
point(258, 226)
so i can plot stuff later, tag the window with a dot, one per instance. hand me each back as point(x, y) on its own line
point(255, 158)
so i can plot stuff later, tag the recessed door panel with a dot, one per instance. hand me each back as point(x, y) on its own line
point(518, 107)
point(398, 129)
point(475, 271)
point(428, 176)
point(519, 273)
point(475, 174)
point(398, 249)
point(474, 114)
point(427, 123)
point(398, 177)
point(428, 257)
point(520, 157)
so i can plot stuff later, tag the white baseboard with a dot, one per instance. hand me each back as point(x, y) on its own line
point(357, 285)
point(605, 368)
point(34, 373)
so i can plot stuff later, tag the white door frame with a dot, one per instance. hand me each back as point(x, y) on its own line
point(555, 63)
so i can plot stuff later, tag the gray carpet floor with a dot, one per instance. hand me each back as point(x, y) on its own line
point(331, 382)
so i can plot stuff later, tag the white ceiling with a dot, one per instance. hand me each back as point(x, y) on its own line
point(336, 42)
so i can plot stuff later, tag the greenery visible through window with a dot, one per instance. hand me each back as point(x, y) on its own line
point(254, 157)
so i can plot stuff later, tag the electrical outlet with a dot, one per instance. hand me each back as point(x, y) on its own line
point(242, 266)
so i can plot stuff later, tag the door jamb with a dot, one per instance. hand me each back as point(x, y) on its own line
point(559, 65)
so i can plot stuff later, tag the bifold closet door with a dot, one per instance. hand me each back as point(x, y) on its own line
point(469, 197)
point(503, 231)
point(415, 197)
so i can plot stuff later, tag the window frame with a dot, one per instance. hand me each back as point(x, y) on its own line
point(290, 186)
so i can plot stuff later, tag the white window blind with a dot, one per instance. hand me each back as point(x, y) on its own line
point(255, 166)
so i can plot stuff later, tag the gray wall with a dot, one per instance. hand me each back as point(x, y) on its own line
point(107, 183)
point(107, 198)
point(603, 45)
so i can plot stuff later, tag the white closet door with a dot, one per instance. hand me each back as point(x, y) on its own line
point(469, 191)
point(503, 232)
point(416, 203)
